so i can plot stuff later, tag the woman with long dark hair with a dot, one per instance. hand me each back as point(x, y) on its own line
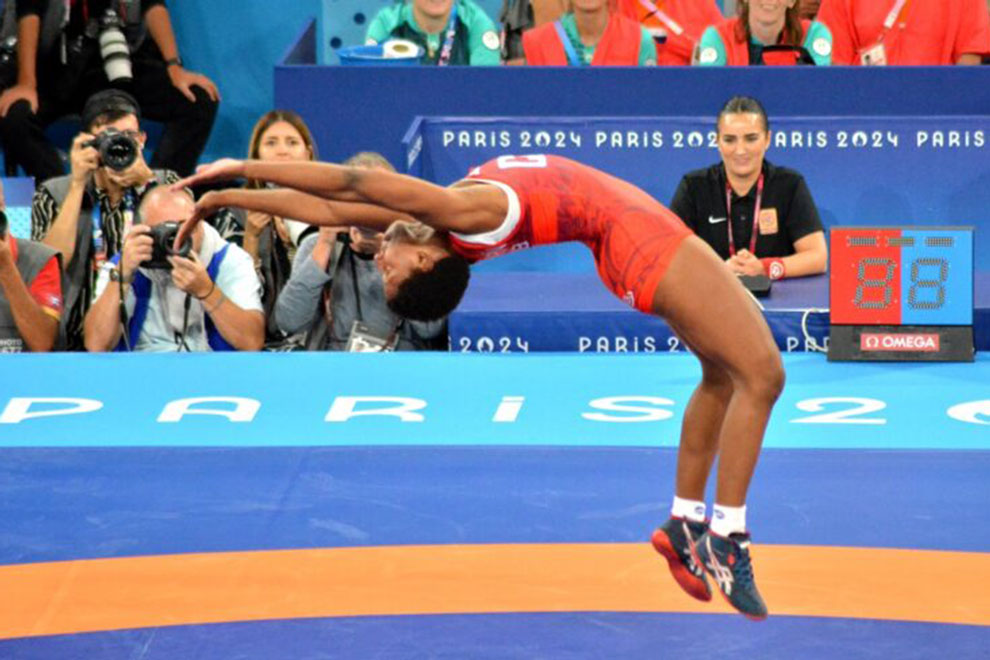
point(769, 32)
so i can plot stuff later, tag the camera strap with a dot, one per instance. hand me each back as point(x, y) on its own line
point(99, 244)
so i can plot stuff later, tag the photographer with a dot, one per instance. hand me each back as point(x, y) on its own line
point(66, 51)
point(30, 293)
point(209, 299)
point(86, 214)
point(336, 294)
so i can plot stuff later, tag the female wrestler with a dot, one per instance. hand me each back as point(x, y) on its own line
point(645, 255)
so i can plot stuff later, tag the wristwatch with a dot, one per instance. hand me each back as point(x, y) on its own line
point(115, 276)
point(173, 61)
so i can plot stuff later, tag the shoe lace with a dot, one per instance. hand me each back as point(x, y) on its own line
point(743, 568)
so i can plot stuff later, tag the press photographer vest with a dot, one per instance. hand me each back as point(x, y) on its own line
point(31, 258)
point(55, 18)
point(77, 271)
point(737, 51)
point(141, 286)
point(354, 277)
point(618, 46)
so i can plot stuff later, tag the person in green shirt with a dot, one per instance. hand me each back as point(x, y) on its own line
point(450, 32)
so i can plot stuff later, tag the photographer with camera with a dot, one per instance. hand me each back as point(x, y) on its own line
point(67, 50)
point(30, 292)
point(336, 294)
point(86, 214)
point(204, 296)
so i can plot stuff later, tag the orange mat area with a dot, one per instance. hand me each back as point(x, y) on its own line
point(138, 592)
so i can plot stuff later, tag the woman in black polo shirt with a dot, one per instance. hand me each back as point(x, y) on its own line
point(758, 217)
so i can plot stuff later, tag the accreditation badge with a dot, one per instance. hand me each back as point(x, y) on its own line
point(363, 340)
point(875, 55)
point(768, 221)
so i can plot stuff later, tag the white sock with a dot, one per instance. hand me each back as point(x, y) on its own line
point(689, 509)
point(728, 519)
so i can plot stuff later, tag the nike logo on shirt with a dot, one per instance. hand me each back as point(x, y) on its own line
point(713, 220)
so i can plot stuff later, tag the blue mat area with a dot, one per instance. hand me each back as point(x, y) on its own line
point(522, 637)
point(59, 504)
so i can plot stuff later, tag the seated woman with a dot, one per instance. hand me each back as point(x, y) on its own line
point(279, 135)
point(675, 25)
point(759, 218)
point(591, 33)
point(766, 32)
point(449, 32)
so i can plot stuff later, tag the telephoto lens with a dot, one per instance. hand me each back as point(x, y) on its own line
point(113, 48)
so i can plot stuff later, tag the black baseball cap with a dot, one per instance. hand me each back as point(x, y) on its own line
point(109, 102)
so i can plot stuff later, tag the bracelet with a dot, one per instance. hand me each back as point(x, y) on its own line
point(213, 285)
point(774, 267)
point(217, 306)
point(173, 61)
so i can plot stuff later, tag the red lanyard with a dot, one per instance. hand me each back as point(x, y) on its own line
point(756, 216)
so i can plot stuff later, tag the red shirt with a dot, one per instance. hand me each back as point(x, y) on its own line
point(927, 31)
point(691, 16)
point(46, 288)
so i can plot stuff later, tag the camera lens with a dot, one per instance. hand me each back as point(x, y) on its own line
point(118, 151)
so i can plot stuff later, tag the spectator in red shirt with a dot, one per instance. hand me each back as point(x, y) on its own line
point(676, 25)
point(924, 32)
point(30, 293)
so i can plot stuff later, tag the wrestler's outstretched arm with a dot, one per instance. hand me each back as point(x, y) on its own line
point(288, 203)
point(470, 209)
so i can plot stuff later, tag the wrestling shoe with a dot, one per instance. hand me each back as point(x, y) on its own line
point(675, 540)
point(727, 561)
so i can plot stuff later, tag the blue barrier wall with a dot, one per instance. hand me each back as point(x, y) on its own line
point(356, 108)
point(237, 43)
point(861, 170)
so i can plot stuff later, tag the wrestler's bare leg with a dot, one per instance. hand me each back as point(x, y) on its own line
point(717, 317)
point(701, 425)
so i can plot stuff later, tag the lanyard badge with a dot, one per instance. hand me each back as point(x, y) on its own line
point(876, 54)
point(756, 217)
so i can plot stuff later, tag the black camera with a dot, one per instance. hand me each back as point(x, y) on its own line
point(118, 149)
point(163, 237)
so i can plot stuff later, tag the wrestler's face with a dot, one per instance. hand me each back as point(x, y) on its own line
point(743, 141)
point(405, 250)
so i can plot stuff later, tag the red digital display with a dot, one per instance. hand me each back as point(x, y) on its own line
point(865, 278)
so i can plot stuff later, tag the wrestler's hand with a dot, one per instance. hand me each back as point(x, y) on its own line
point(205, 207)
point(224, 169)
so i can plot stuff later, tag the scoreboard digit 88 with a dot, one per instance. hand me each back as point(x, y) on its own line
point(901, 293)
